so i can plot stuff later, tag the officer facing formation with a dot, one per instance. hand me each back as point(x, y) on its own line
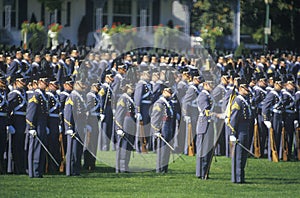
point(162, 128)
point(239, 124)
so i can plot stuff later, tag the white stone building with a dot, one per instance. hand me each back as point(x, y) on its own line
point(93, 14)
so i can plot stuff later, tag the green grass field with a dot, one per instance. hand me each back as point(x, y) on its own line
point(264, 179)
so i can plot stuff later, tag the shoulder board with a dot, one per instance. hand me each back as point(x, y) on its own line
point(121, 103)
point(236, 106)
point(69, 101)
point(33, 99)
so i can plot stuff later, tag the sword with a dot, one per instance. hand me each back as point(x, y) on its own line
point(246, 149)
point(82, 144)
point(9, 155)
point(51, 156)
point(133, 147)
point(163, 139)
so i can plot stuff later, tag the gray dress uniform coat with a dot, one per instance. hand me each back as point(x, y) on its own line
point(205, 136)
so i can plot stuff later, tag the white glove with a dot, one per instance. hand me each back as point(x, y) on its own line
point(102, 116)
point(268, 124)
point(10, 129)
point(177, 116)
point(114, 111)
point(187, 118)
point(88, 128)
point(47, 130)
point(157, 134)
point(296, 123)
point(32, 132)
point(255, 121)
point(59, 128)
point(70, 132)
point(120, 133)
point(226, 120)
point(232, 138)
point(139, 116)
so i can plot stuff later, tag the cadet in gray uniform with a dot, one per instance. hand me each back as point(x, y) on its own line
point(125, 128)
point(205, 136)
point(36, 119)
point(239, 124)
point(162, 126)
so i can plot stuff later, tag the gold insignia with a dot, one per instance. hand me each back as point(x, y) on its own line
point(75, 72)
point(269, 71)
point(121, 102)
point(156, 108)
point(69, 101)
point(30, 123)
point(33, 99)
point(68, 123)
point(102, 92)
point(207, 113)
point(236, 106)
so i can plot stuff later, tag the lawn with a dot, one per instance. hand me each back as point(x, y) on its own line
point(264, 179)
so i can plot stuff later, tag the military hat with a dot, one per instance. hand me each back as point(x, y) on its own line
point(290, 80)
point(68, 81)
point(278, 80)
point(45, 80)
point(53, 82)
point(168, 89)
point(97, 85)
point(193, 71)
point(126, 84)
point(243, 83)
point(20, 78)
point(199, 78)
point(109, 74)
point(121, 66)
point(225, 76)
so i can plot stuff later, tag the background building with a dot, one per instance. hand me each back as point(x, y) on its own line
point(79, 17)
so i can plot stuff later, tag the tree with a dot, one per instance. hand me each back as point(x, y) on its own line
point(210, 19)
point(52, 5)
point(284, 15)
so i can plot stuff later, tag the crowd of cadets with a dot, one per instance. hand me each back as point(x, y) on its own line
point(142, 102)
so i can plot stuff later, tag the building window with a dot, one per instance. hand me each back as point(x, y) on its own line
point(139, 14)
point(68, 17)
point(122, 7)
point(122, 11)
point(13, 14)
point(43, 12)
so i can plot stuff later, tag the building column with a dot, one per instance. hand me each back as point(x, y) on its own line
point(7, 23)
point(236, 24)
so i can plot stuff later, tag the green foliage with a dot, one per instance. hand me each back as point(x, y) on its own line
point(264, 179)
point(52, 5)
point(36, 33)
point(258, 36)
point(164, 36)
point(239, 50)
point(283, 14)
point(212, 19)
